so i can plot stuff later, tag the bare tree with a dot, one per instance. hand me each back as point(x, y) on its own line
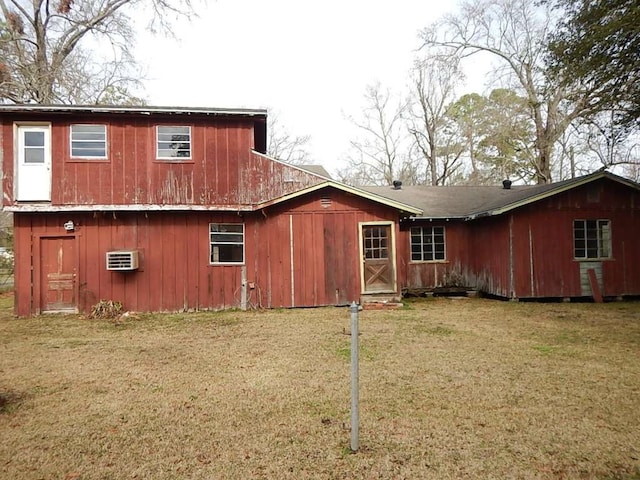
point(284, 146)
point(632, 170)
point(600, 141)
point(611, 144)
point(49, 52)
point(380, 153)
point(515, 32)
point(434, 80)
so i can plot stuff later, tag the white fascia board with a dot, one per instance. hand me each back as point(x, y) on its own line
point(126, 208)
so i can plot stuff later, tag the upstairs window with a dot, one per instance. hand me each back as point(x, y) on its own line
point(89, 141)
point(226, 241)
point(427, 244)
point(173, 143)
point(591, 239)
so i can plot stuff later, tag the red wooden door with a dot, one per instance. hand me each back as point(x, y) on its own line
point(378, 272)
point(58, 274)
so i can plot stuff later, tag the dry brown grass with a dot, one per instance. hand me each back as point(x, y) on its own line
point(449, 389)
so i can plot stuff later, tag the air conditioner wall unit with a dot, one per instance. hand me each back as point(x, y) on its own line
point(123, 260)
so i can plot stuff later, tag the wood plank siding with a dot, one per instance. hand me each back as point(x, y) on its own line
point(305, 240)
point(529, 251)
point(223, 171)
point(304, 253)
point(431, 274)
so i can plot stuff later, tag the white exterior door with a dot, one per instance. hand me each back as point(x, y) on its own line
point(33, 173)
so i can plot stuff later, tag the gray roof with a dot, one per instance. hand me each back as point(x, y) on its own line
point(317, 170)
point(469, 202)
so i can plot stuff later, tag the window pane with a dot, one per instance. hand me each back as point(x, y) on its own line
point(592, 239)
point(228, 254)
point(428, 252)
point(227, 227)
point(580, 244)
point(89, 141)
point(173, 142)
point(33, 155)
point(605, 238)
point(226, 238)
point(226, 243)
point(92, 137)
point(34, 139)
point(88, 152)
point(427, 243)
point(80, 129)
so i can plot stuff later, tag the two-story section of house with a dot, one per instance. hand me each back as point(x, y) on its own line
point(181, 209)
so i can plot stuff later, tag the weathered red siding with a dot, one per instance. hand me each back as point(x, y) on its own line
point(223, 170)
point(452, 270)
point(325, 246)
point(175, 273)
point(528, 252)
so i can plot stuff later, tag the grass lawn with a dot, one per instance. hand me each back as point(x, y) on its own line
point(467, 388)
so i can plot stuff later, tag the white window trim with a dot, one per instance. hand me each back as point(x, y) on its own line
point(598, 238)
point(84, 157)
point(174, 159)
point(244, 244)
point(444, 236)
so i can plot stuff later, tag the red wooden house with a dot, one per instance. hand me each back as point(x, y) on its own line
point(180, 209)
point(575, 238)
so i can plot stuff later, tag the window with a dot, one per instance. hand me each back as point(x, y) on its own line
point(173, 143)
point(34, 147)
point(427, 244)
point(376, 242)
point(89, 141)
point(226, 242)
point(591, 239)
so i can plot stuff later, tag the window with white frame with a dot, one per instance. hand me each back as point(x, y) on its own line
point(173, 142)
point(226, 241)
point(591, 239)
point(427, 244)
point(89, 141)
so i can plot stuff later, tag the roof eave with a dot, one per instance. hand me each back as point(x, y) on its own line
point(46, 208)
point(554, 191)
point(439, 218)
point(138, 110)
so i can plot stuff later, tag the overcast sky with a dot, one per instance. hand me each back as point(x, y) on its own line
point(309, 61)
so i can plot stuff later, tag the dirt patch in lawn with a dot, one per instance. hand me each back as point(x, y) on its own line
point(448, 389)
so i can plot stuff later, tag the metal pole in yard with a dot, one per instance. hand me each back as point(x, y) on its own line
point(354, 377)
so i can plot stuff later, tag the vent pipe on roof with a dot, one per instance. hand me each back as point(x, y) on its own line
point(506, 184)
point(397, 185)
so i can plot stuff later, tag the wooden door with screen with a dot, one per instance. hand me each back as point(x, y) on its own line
point(378, 270)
